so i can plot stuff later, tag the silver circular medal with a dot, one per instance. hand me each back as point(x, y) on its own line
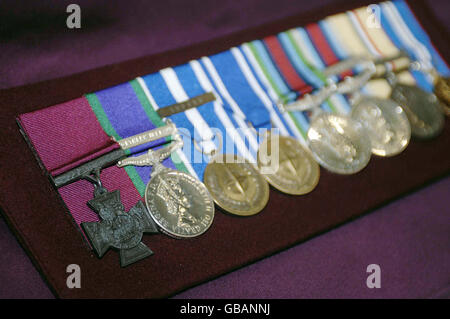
point(386, 124)
point(339, 143)
point(423, 110)
point(179, 204)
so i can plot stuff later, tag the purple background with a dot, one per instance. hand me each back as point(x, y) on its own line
point(408, 238)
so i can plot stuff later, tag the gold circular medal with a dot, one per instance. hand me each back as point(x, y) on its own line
point(236, 185)
point(287, 166)
point(442, 91)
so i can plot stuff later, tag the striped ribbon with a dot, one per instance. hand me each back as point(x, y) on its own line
point(249, 80)
point(181, 83)
point(124, 111)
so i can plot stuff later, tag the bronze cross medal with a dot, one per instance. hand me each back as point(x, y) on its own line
point(118, 229)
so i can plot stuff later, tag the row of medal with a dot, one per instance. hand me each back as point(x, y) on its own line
point(179, 205)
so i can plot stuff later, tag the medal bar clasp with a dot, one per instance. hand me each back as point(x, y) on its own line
point(85, 170)
point(309, 102)
point(148, 136)
point(186, 105)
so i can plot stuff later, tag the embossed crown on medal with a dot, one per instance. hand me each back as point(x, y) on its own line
point(116, 229)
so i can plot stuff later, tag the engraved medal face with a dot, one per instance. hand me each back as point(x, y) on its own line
point(125, 232)
point(298, 173)
point(339, 143)
point(386, 123)
point(236, 185)
point(442, 91)
point(423, 110)
point(179, 203)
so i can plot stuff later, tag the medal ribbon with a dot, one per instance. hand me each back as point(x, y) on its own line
point(375, 42)
point(405, 32)
point(180, 83)
point(280, 70)
point(276, 86)
point(412, 26)
point(284, 66)
point(294, 59)
point(399, 29)
point(243, 95)
point(124, 111)
point(312, 53)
